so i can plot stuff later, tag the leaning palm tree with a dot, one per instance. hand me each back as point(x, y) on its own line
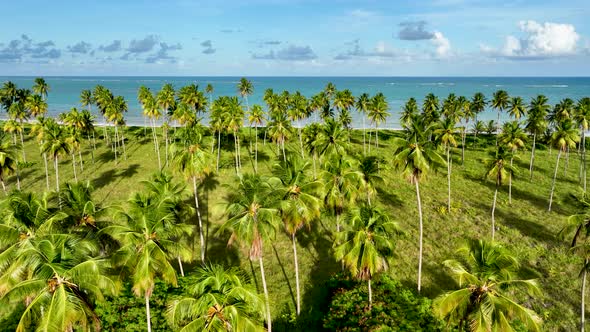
point(497, 168)
point(219, 300)
point(445, 134)
point(56, 145)
point(415, 157)
point(41, 87)
point(564, 137)
point(8, 160)
point(299, 202)
point(536, 123)
point(485, 273)
point(252, 221)
point(366, 245)
point(514, 138)
point(148, 239)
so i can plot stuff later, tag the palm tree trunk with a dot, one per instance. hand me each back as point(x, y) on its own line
point(376, 137)
point(106, 136)
point(256, 148)
point(81, 162)
point(56, 165)
point(313, 157)
point(554, 177)
point(74, 165)
point(3, 186)
point(463, 138)
point(510, 182)
point(449, 177)
point(115, 142)
point(370, 295)
point(584, 159)
point(532, 156)
point(218, 148)
point(301, 143)
point(364, 134)
point(283, 146)
point(156, 144)
point(147, 313)
point(268, 316)
point(494, 213)
point(180, 266)
point(369, 142)
point(201, 238)
point(497, 127)
point(294, 240)
point(236, 153)
point(123, 143)
point(239, 151)
point(17, 178)
point(583, 296)
point(46, 170)
point(93, 140)
point(421, 234)
point(166, 139)
point(22, 142)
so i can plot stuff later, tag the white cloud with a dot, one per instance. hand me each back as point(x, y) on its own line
point(538, 41)
point(442, 44)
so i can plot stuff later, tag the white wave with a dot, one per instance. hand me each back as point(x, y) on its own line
point(547, 86)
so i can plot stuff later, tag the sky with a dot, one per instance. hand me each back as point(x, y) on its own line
point(295, 38)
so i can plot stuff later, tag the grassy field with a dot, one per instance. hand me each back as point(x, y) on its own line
point(525, 226)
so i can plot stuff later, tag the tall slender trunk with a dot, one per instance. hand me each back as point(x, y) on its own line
point(201, 238)
point(236, 153)
point(494, 213)
point(166, 140)
point(239, 151)
point(554, 177)
point(463, 138)
point(180, 266)
point(256, 148)
point(449, 177)
point(369, 142)
point(17, 177)
point(584, 158)
point(3, 185)
point(294, 240)
point(106, 135)
point(567, 161)
point(364, 134)
point(116, 142)
point(218, 148)
point(283, 146)
point(268, 315)
point(583, 296)
point(46, 169)
point(532, 156)
point(56, 165)
point(301, 143)
point(376, 136)
point(74, 165)
point(421, 234)
point(123, 142)
point(147, 313)
point(156, 145)
point(22, 142)
point(497, 127)
point(510, 182)
point(313, 157)
point(370, 295)
point(81, 161)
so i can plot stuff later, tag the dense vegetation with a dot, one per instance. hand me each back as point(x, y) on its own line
point(182, 226)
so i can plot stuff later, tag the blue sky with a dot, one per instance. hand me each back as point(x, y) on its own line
point(296, 37)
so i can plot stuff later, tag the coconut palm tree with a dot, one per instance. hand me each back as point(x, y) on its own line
point(36, 105)
point(564, 137)
point(478, 127)
point(478, 104)
point(18, 112)
point(148, 237)
point(8, 160)
point(332, 139)
point(56, 145)
point(299, 203)
point(378, 113)
point(485, 273)
point(252, 220)
point(582, 119)
point(298, 111)
point(366, 245)
point(362, 106)
point(310, 133)
point(415, 156)
point(445, 134)
point(218, 300)
point(39, 130)
point(234, 122)
point(514, 138)
point(193, 161)
point(516, 108)
point(279, 129)
point(497, 168)
point(536, 123)
point(245, 89)
point(256, 116)
point(41, 87)
point(430, 110)
point(491, 127)
point(500, 101)
point(409, 111)
point(369, 168)
point(209, 90)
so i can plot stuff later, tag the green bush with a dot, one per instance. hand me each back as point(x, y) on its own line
point(395, 308)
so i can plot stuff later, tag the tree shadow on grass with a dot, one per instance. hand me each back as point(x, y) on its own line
point(112, 175)
point(389, 198)
point(219, 252)
point(284, 275)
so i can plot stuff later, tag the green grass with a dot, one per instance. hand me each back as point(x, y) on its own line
point(525, 226)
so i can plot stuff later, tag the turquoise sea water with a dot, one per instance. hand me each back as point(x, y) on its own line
point(65, 91)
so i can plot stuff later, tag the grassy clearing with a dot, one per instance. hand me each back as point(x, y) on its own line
point(525, 226)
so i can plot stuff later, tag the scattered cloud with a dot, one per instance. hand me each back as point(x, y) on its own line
point(442, 44)
point(289, 53)
point(80, 47)
point(143, 45)
point(115, 46)
point(24, 48)
point(261, 43)
point(381, 50)
point(163, 55)
point(208, 47)
point(414, 30)
point(538, 41)
point(230, 30)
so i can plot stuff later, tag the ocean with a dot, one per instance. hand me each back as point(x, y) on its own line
point(65, 91)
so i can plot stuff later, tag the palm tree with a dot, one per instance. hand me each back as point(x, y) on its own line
point(8, 161)
point(564, 137)
point(56, 145)
point(478, 104)
point(409, 111)
point(366, 245)
point(165, 100)
point(36, 105)
point(18, 112)
point(332, 139)
point(415, 157)
point(279, 129)
point(245, 89)
point(491, 127)
point(219, 300)
point(193, 162)
point(430, 110)
point(582, 118)
point(362, 106)
point(310, 133)
point(41, 87)
point(234, 122)
point(497, 168)
point(512, 137)
point(39, 130)
point(378, 113)
point(209, 91)
point(256, 117)
point(446, 136)
point(516, 108)
point(148, 238)
point(298, 111)
point(485, 273)
point(369, 168)
point(299, 203)
point(536, 123)
point(252, 221)
point(478, 127)
point(500, 102)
